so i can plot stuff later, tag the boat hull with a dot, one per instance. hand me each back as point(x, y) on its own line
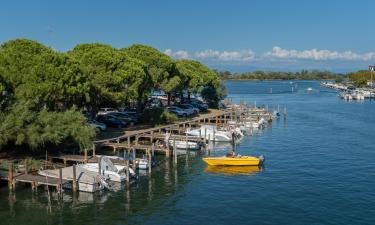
point(237, 161)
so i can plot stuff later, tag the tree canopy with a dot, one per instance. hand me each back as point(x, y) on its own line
point(43, 92)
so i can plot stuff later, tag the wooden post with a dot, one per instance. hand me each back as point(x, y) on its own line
point(205, 134)
point(187, 142)
point(93, 150)
point(128, 142)
point(74, 184)
point(214, 135)
point(26, 166)
point(136, 140)
point(127, 171)
point(10, 177)
point(153, 149)
point(85, 157)
point(100, 165)
point(134, 155)
point(60, 182)
point(152, 137)
point(284, 112)
point(149, 162)
point(174, 151)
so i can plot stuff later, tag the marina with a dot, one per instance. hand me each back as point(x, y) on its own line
point(291, 171)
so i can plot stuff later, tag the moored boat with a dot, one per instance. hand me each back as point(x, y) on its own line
point(234, 161)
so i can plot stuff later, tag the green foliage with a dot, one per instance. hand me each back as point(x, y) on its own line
point(213, 95)
point(360, 78)
point(360, 82)
point(161, 67)
point(43, 91)
point(157, 116)
point(22, 124)
point(114, 76)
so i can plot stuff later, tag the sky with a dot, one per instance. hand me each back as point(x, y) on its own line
point(234, 35)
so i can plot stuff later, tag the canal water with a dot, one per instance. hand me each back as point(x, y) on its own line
point(320, 169)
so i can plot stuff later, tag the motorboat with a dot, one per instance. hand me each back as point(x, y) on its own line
point(183, 145)
point(309, 89)
point(234, 161)
point(113, 172)
point(87, 181)
point(211, 134)
point(358, 95)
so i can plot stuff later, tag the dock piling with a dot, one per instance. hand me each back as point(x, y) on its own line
point(74, 184)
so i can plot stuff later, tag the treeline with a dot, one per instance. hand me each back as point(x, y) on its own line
point(361, 78)
point(269, 75)
point(43, 92)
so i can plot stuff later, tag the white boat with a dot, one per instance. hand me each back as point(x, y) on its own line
point(113, 172)
point(183, 145)
point(309, 89)
point(87, 181)
point(212, 135)
point(358, 96)
point(256, 124)
point(142, 163)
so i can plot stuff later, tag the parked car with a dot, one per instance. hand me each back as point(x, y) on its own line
point(111, 120)
point(177, 111)
point(189, 108)
point(104, 111)
point(124, 116)
point(96, 124)
point(201, 106)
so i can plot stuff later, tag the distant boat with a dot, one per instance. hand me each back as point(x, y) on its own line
point(309, 89)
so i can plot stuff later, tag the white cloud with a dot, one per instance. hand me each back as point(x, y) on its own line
point(315, 54)
point(244, 55)
point(181, 54)
point(276, 54)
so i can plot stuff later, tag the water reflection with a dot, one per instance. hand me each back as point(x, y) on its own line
point(234, 170)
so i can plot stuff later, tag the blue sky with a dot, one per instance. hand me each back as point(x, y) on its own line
point(234, 35)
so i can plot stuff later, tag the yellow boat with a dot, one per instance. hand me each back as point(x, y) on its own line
point(234, 161)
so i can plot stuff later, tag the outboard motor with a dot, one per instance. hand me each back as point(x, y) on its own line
point(261, 159)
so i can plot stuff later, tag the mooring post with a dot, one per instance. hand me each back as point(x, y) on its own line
point(26, 166)
point(205, 134)
point(214, 135)
point(74, 184)
point(134, 156)
point(284, 112)
point(174, 151)
point(85, 157)
point(10, 177)
point(153, 148)
point(149, 162)
point(127, 171)
point(60, 182)
point(136, 140)
point(100, 165)
point(128, 142)
point(93, 150)
point(152, 137)
point(187, 142)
